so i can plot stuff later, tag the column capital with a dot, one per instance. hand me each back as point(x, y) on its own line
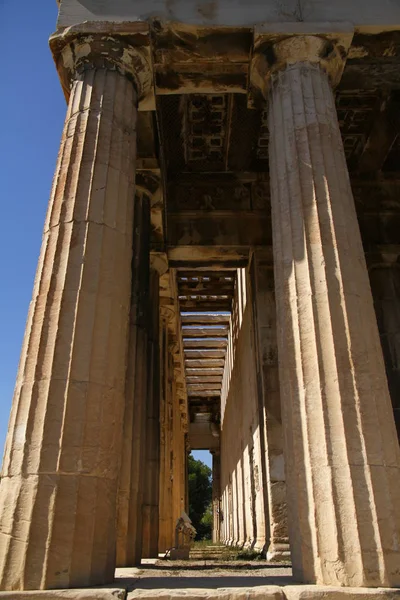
point(85, 46)
point(278, 47)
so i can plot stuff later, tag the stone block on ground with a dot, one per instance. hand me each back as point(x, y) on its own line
point(82, 594)
point(318, 592)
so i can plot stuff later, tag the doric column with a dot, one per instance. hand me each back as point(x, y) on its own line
point(59, 479)
point(131, 485)
point(150, 510)
point(274, 483)
point(216, 494)
point(384, 275)
point(342, 453)
point(165, 498)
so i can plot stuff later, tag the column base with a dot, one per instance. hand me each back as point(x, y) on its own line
point(277, 553)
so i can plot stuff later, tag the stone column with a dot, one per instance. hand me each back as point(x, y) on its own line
point(342, 454)
point(131, 484)
point(384, 275)
point(150, 509)
point(59, 479)
point(216, 494)
point(274, 483)
point(165, 499)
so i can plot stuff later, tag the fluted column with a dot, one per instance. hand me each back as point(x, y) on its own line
point(150, 510)
point(132, 478)
point(166, 407)
point(216, 494)
point(342, 453)
point(60, 470)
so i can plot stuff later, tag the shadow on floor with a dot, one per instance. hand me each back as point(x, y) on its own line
point(151, 583)
point(206, 565)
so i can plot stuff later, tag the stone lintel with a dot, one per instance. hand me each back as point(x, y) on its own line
point(210, 257)
point(278, 45)
point(194, 59)
point(219, 228)
point(124, 47)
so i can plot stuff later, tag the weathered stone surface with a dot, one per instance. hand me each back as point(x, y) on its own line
point(263, 298)
point(88, 594)
point(255, 593)
point(150, 508)
point(60, 471)
point(316, 592)
point(242, 469)
point(132, 475)
point(342, 452)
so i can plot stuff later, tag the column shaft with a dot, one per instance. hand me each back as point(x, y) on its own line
point(59, 478)
point(165, 500)
point(342, 454)
point(152, 464)
point(216, 495)
point(131, 485)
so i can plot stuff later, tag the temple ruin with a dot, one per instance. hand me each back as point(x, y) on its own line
point(219, 270)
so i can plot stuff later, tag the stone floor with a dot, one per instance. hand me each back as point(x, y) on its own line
point(203, 574)
point(207, 579)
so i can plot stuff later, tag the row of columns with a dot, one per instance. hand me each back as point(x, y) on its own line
point(173, 465)
point(270, 417)
point(253, 476)
point(58, 494)
point(243, 452)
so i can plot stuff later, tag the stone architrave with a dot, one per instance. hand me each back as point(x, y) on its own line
point(341, 450)
point(60, 472)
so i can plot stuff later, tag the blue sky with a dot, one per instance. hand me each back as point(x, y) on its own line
point(32, 111)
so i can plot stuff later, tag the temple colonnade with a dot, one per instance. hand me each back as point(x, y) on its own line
point(94, 472)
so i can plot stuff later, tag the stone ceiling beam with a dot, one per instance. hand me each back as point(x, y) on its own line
point(193, 256)
point(204, 353)
point(203, 331)
point(204, 371)
point(207, 318)
point(204, 362)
